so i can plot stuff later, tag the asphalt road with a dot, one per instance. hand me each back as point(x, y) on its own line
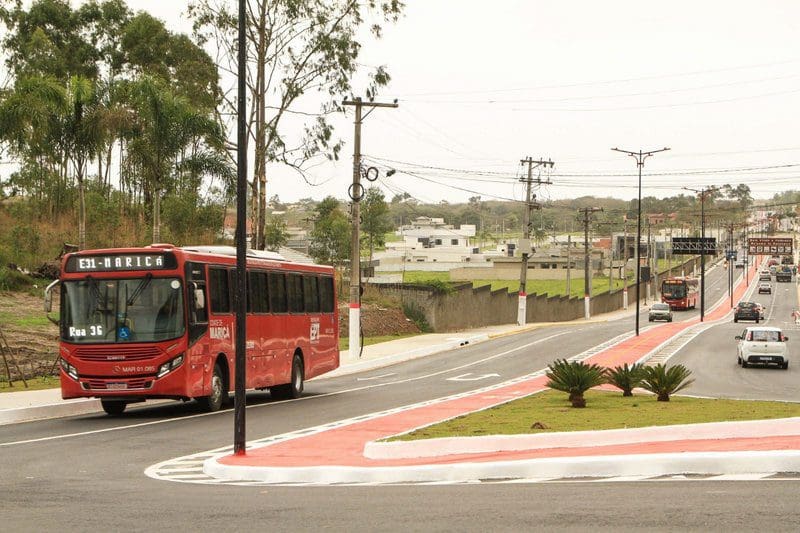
point(86, 473)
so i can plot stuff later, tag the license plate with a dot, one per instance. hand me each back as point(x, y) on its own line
point(765, 358)
point(117, 386)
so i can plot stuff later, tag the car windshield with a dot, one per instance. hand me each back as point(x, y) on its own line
point(660, 307)
point(746, 305)
point(122, 310)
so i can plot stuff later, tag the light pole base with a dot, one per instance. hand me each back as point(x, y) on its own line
point(625, 298)
point(354, 332)
point(522, 309)
point(587, 305)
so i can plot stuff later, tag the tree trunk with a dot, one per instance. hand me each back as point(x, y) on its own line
point(81, 214)
point(156, 216)
point(663, 397)
point(627, 392)
point(578, 401)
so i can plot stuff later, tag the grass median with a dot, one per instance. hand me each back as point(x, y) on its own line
point(550, 411)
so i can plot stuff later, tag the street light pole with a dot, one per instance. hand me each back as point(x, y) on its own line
point(640, 156)
point(703, 193)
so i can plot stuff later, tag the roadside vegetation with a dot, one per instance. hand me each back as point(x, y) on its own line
point(550, 411)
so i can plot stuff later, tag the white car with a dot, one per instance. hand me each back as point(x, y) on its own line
point(762, 345)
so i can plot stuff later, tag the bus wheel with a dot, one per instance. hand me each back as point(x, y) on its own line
point(293, 389)
point(213, 402)
point(113, 407)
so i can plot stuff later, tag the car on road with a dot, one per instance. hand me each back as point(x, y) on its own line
point(762, 345)
point(660, 311)
point(746, 311)
point(764, 276)
point(761, 310)
point(765, 287)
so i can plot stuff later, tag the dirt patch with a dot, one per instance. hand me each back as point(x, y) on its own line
point(32, 340)
point(377, 321)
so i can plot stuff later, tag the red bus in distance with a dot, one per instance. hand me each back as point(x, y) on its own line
point(159, 322)
point(680, 293)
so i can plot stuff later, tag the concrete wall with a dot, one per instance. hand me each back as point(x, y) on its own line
point(467, 307)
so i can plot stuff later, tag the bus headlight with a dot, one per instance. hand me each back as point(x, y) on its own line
point(169, 366)
point(70, 370)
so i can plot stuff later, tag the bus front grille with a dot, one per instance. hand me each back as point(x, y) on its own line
point(116, 353)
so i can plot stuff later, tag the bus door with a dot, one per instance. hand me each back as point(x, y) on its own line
point(200, 360)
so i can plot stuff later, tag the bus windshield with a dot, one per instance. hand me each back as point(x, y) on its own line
point(122, 310)
point(673, 290)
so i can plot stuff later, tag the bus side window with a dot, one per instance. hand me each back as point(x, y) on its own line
point(218, 290)
point(257, 294)
point(294, 291)
point(277, 292)
point(311, 294)
point(326, 294)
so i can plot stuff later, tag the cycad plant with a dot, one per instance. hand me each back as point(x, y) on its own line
point(625, 377)
point(664, 381)
point(575, 378)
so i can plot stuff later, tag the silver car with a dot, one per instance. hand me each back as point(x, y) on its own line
point(660, 312)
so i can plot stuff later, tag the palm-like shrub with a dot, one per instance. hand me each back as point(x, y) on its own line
point(664, 381)
point(625, 377)
point(575, 378)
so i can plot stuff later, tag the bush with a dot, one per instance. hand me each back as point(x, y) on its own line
point(625, 377)
point(14, 280)
point(664, 381)
point(574, 377)
point(415, 313)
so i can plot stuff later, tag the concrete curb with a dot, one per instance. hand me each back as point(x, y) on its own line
point(55, 410)
point(708, 463)
point(580, 439)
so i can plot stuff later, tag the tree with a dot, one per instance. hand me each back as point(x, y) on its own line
point(295, 47)
point(575, 378)
point(375, 221)
point(330, 238)
point(275, 233)
point(165, 126)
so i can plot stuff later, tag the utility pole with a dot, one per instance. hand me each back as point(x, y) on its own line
point(640, 156)
point(587, 211)
point(356, 194)
point(569, 265)
point(625, 265)
point(525, 244)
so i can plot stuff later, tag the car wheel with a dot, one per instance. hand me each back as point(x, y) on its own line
point(785, 365)
point(735, 319)
point(669, 319)
point(738, 360)
point(756, 321)
point(744, 364)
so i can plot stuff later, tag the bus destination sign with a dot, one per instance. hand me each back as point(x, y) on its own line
point(120, 262)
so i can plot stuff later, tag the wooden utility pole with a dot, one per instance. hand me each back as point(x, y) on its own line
point(356, 193)
point(525, 244)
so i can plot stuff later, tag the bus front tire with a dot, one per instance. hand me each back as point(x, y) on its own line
point(113, 407)
point(213, 402)
point(293, 389)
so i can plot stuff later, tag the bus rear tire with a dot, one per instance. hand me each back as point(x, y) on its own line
point(113, 407)
point(293, 389)
point(214, 401)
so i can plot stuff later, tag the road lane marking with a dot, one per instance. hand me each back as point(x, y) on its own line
point(463, 377)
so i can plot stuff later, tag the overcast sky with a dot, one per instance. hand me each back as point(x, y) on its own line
point(482, 84)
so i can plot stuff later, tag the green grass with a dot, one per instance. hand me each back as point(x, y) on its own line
point(7, 319)
point(39, 383)
point(604, 410)
point(344, 342)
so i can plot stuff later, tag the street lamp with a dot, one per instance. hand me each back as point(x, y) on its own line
point(703, 193)
point(640, 157)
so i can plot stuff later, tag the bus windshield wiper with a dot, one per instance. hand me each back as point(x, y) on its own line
point(139, 288)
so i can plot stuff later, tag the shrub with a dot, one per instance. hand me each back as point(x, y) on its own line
point(415, 313)
point(625, 377)
point(664, 381)
point(14, 280)
point(575, 378)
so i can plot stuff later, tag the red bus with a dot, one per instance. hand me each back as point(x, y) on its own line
point(159, 322)
point(680, 293)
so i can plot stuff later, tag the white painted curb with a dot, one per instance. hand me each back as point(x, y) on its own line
point(580, 439)
point(56, 410)
point(716, 463)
